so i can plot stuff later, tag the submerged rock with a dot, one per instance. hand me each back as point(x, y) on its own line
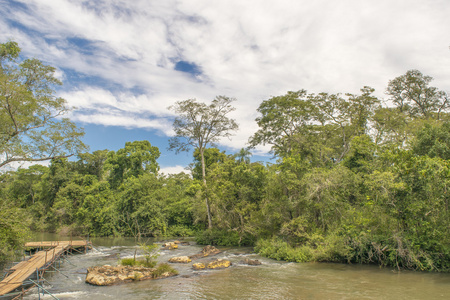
point(251, 262)
point(108, 275)
point(206, 251)
point(180, 259)
point(215, 264)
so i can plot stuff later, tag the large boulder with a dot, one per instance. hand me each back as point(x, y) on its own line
point(108, 275)
point(180, 259)
point(206, 251)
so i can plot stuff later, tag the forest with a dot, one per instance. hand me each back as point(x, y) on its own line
point(354, 179)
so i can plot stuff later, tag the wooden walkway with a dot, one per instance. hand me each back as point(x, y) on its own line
point(42, 259)
point(42, 245)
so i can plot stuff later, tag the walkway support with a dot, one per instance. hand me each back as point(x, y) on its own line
point(40, 261)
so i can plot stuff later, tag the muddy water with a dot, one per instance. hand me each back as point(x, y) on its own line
point(271, 280)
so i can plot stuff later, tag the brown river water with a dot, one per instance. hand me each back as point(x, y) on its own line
point(271, 280)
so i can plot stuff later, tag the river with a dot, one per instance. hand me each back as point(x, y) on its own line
point(271, 280)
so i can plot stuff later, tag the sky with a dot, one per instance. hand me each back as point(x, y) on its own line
point(124, 62)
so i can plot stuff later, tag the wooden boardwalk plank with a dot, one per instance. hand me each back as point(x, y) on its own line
point(76, 243)
point(25, 269)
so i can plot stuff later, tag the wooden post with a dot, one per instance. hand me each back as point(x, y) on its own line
point(37, 278)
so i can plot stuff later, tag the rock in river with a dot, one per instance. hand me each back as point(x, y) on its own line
point(180, 259)
point(108, 275)
point(198, 266)
point(251, 262)
point(169, 246)
point(206, 251)
point(215, 264)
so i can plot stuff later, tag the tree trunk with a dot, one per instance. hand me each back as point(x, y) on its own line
point(208, 210)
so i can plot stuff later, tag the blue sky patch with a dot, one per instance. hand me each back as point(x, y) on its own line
point(188, 67)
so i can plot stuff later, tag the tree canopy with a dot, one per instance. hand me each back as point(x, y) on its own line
point(32, 126)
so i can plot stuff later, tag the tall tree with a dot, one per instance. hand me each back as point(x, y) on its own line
point(411, 93)
point(199, 125)
point(243, 156)
point(282, 117)
point(31, 123)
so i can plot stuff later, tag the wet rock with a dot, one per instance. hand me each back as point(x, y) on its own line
point(219, 264)
point(251, 262)
point(199, 266)
point(169, 246)
point(181, 243)
point(206, 251)
point(215, 264)
point(108, 275)
point(180, 259)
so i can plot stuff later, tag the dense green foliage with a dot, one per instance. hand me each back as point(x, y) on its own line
point(88, 197)
point(355, 181)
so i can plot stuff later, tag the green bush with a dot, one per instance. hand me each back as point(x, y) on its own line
point(180, 230)
point(277, 249)
point(164, 268)
point(137, 262)
point(220, 237)
point(331, 249)
point(128, 262)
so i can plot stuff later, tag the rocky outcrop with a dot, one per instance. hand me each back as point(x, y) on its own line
point(206, 251)
point(215, 264)
point(108, 275)
point(180, 259)
point(251, 262)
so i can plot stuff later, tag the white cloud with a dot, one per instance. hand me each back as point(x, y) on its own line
point(14, 166)
point(250, 50)
point(173, 170)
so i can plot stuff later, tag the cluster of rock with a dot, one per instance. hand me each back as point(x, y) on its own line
point(109, 275)
point(173, 245)
point(214, 264)
point(170, 246)
point(206, 251)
